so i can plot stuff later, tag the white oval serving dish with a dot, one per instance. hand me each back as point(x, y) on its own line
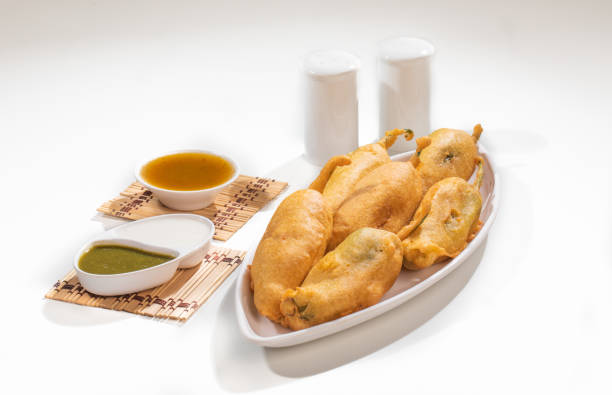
point(187, 237)
point(262, 331)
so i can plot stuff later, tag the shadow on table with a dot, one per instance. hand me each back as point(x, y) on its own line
point(242, 366)
point(68, 314)
point(341, 348)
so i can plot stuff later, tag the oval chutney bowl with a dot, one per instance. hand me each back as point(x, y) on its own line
point(186, 237)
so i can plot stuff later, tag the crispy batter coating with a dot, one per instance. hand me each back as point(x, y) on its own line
point(447, 218)
point(363, 160)
point(446, 153)
point(352, 277)
point(319, 183)
point(294, 240)
point(385, 198)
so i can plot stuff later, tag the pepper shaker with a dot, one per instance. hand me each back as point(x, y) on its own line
point(404, 88)
point(331, 117)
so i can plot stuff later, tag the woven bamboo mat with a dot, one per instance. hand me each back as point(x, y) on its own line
point(177, 299)
point(232, 208)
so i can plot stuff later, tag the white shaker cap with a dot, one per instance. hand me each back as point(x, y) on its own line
point(398, 49)
point(327, 63)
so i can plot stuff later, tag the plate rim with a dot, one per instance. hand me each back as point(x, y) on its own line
point(358, 317)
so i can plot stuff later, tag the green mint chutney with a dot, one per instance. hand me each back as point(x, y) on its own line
point(115, 259)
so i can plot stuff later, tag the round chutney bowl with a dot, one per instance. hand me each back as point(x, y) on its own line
point(187, 200)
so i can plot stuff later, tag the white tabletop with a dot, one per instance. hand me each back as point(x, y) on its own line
point(87, 88)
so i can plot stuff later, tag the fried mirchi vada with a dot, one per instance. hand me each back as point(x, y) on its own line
point(352, 277)
point(446, 153)
point(293, 242)
point(363, 160)
point(385, 198)
point(446, 220)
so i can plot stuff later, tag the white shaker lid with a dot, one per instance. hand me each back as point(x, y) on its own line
point(398, 49)
point(329, 63)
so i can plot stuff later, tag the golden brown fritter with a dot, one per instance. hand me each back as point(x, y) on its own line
point(294, 240)
point(385, 198)
point(363, 160)
point(352, 277)
point(446, 153)
point(447, 218)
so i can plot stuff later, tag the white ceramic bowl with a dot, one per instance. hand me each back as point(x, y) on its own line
point(187, 237)
point(187, 200)
point(124, 283)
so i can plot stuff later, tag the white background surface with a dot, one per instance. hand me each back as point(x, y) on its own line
point(87, 88)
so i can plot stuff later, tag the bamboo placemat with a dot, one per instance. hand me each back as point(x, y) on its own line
point(177, 299)
point(232, 208)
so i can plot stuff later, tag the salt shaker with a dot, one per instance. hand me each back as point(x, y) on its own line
point(404, 88)
point(331, 118)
